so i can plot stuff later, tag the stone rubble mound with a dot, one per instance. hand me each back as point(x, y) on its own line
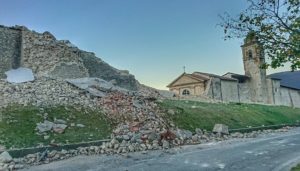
point(95, 86)
point(43, 92)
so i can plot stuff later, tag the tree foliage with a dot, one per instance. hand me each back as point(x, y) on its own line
point(276, 23)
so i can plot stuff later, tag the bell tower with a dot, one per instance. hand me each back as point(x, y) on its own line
point(253, 59)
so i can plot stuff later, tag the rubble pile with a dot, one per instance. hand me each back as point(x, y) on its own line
point(44, 92)
point(124, 145)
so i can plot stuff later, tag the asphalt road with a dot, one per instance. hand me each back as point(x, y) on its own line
point(274, 152)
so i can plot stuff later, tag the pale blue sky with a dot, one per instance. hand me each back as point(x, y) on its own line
point(153, 39)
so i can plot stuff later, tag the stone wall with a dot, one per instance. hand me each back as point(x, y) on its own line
point(10, 49)
point(222, 90)
point(47, 56)
point(100, 69)
point(216, 91)
point(289, 97)
point(295, 96)
point(244, 93)
point(274, 94)
point(230, 92)
point(60, 59)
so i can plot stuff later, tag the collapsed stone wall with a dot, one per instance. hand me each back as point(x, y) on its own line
point(100, 69)
point(47, 56)
point(44, 92)
point(10, 49)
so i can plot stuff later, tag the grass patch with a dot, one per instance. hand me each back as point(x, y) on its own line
point(18, 123)
point(296, 168)
point(191, 114)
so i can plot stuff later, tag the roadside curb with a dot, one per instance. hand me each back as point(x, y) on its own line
point(243, 130)
point(18, 153)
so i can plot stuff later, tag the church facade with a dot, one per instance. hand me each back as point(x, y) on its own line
point(252, 87)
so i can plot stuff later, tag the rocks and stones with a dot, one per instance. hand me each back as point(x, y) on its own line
point(46, 137)
point(184, 134)
point(168, 135)
point(48, 126)
point(195, 138)
point(171, 112)
point(2, 148)
point(198, 131)
point(59, 121)
point(137, 104)
point(123, 146)
point(80, 125)
point(135, 137)
point(126, 137)
point(18, 166)
point(220, 129)
point(95, 86)
point(19, 75)
point(59, 128)
point(4, 167)
point(42, 156)
point(114, 143)
point(131, 148)
point(44, 92)
point(153, 136)
point(5, 157)
point(45, 126)
point(165, 144)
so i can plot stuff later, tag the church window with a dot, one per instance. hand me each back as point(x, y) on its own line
point(185, 92)
point(250, 55)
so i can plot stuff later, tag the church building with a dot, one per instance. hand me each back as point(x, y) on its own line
point(254, 86)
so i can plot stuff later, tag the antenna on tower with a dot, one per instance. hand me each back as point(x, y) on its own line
point(183, 69)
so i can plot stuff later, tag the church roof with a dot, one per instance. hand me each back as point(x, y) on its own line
point(287, 79)
point(193, 76)
point(216, 76)
point(239, 77)
point(201, 77)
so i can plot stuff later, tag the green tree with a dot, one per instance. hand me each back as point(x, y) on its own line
point(276, 23)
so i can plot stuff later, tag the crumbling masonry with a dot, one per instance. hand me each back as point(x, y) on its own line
point(46, 56)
